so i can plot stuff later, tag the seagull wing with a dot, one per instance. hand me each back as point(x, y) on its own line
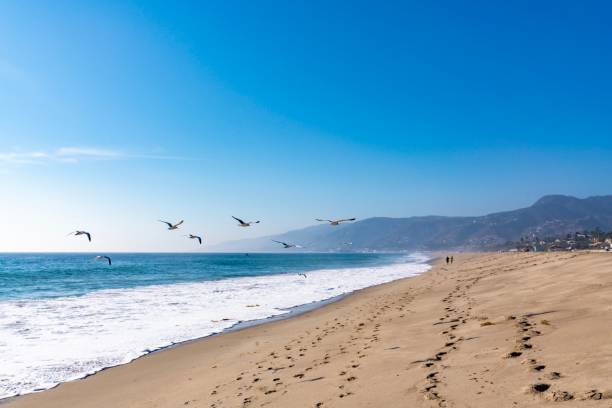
point(279, 242)
point(104, 257)
point(199, 239)
point(318, 219)
point(347, 219)
point(179, 223)
point(238, 219)
point(88, 236)
point(166, 222)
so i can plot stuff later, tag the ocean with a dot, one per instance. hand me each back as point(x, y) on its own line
point(65, 316)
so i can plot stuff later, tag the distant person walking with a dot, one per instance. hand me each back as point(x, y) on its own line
point(452, 259)
point(447, 260)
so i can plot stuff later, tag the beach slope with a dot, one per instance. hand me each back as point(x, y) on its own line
point(491, 330)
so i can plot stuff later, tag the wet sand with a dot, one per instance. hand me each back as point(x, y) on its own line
point(491, 330)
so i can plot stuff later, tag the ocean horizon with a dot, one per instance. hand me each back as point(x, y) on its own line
point(64, 316)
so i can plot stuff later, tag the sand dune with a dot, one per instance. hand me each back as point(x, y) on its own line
point(491, 330)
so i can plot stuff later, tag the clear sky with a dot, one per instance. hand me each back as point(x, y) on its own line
point(114, 114)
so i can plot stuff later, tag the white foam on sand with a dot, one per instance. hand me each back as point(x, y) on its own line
point(48, 341)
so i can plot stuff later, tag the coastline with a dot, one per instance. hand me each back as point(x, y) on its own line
point(283, 314)
point(241, 325)
point(491, 326)
point(298, 310)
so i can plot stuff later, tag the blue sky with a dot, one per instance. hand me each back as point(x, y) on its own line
point(114, 114)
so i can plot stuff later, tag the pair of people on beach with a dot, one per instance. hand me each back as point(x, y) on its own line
point(449, 260)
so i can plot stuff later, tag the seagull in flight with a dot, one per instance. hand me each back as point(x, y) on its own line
point(191, 236)
point(170, 225)
point(105, 257)
point(244, 224)
point(82, 233)
point(337, 222)
point(286, 245)
point(302, 274)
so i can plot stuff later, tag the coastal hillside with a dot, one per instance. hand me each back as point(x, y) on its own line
point(550, 215)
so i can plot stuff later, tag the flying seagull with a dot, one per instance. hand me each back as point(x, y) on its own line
point(244, 224)
point(105, 257)
point(286, 245)
point(302, 274)
point(337, 222)
point(191, 236)
point(82, 233)
point(170, 225)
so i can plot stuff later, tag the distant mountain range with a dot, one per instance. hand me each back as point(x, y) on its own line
point(550, 215)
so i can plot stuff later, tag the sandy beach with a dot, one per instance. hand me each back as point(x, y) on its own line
point(503, 330)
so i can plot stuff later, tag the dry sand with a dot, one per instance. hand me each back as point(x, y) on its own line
point(491, 330)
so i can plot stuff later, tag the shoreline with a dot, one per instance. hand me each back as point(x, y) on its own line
point(298, 310)
point(511, 328)
point(292, 312)
point(288, 313)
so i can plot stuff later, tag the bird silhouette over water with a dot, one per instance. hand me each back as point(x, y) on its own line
point(75, 233)
point(100, 257)
point(286, 245)
point(244, 224)
point(336, 222)
point(191, 236)
point(170, 225)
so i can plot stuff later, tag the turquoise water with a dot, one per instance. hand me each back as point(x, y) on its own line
point(52, 275)
point(64, 316)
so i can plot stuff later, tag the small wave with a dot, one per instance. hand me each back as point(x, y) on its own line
point(48, 341)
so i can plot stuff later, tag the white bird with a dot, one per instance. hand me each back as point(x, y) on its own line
point(337, 222)
point(244, 224)
point(302, 274)
point(191, 236)
point(105, 257)
point(170, 225)
point(81, 233)
point(286, 245)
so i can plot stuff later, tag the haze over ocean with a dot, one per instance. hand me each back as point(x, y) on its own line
point(115, 114)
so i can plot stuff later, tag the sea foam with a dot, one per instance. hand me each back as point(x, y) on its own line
point(44, 342)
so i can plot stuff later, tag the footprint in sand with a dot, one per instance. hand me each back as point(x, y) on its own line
point(269, 392)
point(538, 388)
point(559, 396)
point(592, 395)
